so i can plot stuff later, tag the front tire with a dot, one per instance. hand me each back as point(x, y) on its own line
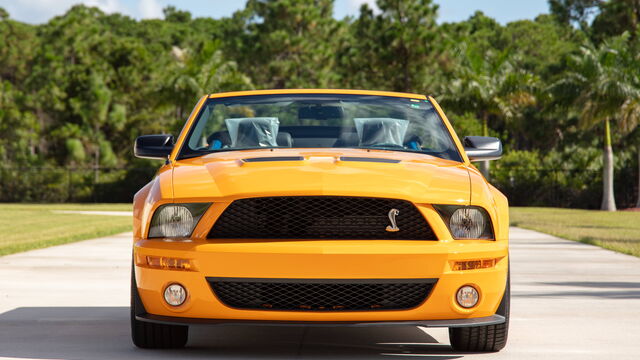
point(149, 335)
point(489, 338)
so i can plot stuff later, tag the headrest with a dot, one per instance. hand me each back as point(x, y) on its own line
point(284, 139)
point(374, 131)
point(253, 132)
point(347, 139)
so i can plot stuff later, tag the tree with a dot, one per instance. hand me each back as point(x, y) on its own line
point(577, 12)
point(601, 85)
point(199, 72)
point(393, 49)
point(631, 110)
point(93, 108)
point(634, 137)
point(172, 14)
point(540, 44)
point(285, 43)
point(75, 90)
point(616, 17)
point(598, 18)
point(491, 86)
point(18, 127)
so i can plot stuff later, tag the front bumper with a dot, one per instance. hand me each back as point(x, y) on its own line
point(173, 320)
point(335, 259)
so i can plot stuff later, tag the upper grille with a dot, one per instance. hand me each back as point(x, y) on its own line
point(322, 294)
point(320, 217)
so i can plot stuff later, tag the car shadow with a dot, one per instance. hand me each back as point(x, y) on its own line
point(103, 333)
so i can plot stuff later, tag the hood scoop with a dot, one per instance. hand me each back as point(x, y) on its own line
point(273, 158)
point(320, 159)
point(369, 159)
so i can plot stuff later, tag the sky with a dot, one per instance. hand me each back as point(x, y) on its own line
point(40, 11)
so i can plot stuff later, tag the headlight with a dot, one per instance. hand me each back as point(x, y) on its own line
point(466, 222)
point(176, 220)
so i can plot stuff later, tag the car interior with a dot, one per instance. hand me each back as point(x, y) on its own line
point(306, 137)
point(331, 129)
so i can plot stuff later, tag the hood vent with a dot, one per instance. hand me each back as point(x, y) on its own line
point(300, 158)
point(273, 158)
point(369, 159)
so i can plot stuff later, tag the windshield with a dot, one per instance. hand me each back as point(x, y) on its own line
point(319, 121)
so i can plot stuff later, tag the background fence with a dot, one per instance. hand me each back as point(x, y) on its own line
point(48, 184)
point(575, 188)
point(569, 188)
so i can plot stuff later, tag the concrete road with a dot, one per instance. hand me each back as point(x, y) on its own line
point(570, 301)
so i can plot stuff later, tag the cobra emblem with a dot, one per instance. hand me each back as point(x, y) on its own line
point(392, 217)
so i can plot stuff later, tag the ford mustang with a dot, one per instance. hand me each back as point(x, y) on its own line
point(319, 207)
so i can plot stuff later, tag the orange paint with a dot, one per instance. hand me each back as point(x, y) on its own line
point(222, 177)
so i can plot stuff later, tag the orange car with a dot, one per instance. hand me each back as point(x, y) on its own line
point(319, 207)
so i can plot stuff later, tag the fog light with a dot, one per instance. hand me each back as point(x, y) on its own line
point(175, 294)
point(467, 296)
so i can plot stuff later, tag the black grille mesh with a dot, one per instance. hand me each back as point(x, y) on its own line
point(321, 296)
point(320, 217)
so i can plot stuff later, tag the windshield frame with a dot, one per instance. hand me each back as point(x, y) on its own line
point(184, 152)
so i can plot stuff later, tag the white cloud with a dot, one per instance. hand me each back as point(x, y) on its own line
point(149, 9)
point(354, 5)
point(41, 11)
point(108, 6)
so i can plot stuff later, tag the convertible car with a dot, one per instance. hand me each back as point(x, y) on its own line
point(319, 208)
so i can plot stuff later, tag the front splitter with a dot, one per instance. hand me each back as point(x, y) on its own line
point(174, 320)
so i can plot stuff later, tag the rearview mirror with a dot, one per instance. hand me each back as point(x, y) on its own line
point(481, 148)
point(320, 112)
point(153, 146)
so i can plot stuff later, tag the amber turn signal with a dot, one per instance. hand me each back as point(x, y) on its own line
point(168, 263)
point(473, 264)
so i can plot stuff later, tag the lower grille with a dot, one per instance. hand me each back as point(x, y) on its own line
point(321, 217)
point(322, 294)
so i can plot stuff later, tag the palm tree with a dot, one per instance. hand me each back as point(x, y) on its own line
point(202, 72)
point(602, 86)
point(489, 85)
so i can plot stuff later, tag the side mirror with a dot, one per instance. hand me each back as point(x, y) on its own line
point(153, 146)
point(482, 148)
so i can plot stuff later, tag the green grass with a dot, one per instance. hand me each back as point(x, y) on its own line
point(618, 231)
point(31, 226)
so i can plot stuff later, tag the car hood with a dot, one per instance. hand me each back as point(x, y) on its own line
point(229, 175)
